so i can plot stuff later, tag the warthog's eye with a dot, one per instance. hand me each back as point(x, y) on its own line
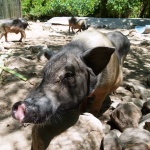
point(69, 77)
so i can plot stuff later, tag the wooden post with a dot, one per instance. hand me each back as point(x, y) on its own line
point(10, 9)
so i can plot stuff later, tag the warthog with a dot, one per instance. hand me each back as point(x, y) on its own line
point(13, 26)
point(75, 23)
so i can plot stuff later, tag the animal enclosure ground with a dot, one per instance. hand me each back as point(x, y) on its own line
point(27, 59)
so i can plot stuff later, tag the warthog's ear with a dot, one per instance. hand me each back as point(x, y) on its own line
point(97, 58)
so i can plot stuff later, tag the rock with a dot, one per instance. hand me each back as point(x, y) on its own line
point(106, 128)
point(137, 146)
point(133, 33)
point(134, 136)
point(115, 104)
point(111, 142)
point(117, 132)
point(105, 117)
point(145, 42)
point(18, 62)
point(146, 107)
point(37, 49)
point(144, 93)
point(147, 126)
point(126, 115)
point(125, 70)
point(129, 86)
point(138, 102)
point(123, 91)
point(8, 45)
point(1, 47)
point(37, 21)
point(143, 120)
point(148, 80)
point(136, 95)
point(85, 134)
point(126, 99)
point(29, 57)
point(46, 26)
point(136, 87)
point(43, 56)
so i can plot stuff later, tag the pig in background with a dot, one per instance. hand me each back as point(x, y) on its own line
point(17, 25)
point(79, 24)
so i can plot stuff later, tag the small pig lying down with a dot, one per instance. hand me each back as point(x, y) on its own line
point(13, 26)
point(89, 66)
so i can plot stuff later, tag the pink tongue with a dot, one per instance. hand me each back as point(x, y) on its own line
point(20, 112)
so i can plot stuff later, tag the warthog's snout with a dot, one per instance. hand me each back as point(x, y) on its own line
point(18, 111)
point(27, 111)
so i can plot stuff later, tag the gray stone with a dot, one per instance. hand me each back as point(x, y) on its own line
point(18, 62)
point(138, 102)
point(111, 142)
point(132, 136)
point(148, 80)
point(147, 126)
point(41, 57)
point(1, 47)
point(115, 104)
point(137, 146)
point(126, 99)
point(46, 26)
point(106, 128)
point(7, 45)
point(143, 120)
point(146, 107)
point(117, 132)
point(126, 115)
point(136, 87)
point(144, 93)
point(136, 95)
point(85, 134)
point(123, 91)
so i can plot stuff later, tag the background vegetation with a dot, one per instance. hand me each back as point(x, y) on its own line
point(34, 9)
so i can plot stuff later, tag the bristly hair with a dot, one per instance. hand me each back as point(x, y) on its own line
point(73, 20)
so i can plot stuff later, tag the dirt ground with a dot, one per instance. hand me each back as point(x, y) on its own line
point(26, 58)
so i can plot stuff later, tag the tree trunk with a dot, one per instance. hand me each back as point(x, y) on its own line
point(103, 12)
point(144, 6)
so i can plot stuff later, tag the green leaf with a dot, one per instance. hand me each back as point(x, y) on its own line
point(14, 73)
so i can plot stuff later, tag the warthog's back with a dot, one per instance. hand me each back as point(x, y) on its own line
point(92, 38)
